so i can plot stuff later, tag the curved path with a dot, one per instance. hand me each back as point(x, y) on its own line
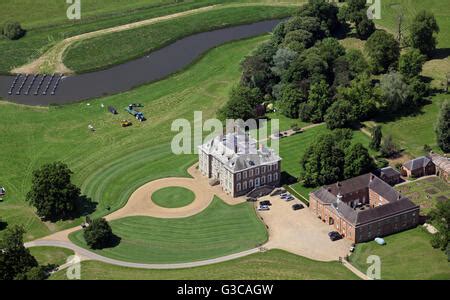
point(31, 90)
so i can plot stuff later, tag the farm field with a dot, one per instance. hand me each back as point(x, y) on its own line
point(172, 197)
point(217, 231)
point(407, 255)
point(51, 255)
point(270, 265)
point(111, 49)
point(114, 161)
point(426, 192)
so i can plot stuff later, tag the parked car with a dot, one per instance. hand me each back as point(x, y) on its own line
point(289, 198)
point(334, 235)
point(263, 207)
point(265, 202)
point(352, 248)
point(297, 206)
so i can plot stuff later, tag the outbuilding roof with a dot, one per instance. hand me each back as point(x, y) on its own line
point(417, 163)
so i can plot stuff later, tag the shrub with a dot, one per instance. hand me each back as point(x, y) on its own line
point(98, 234)
point(12, 30)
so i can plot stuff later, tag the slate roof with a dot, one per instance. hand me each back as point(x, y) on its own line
point(417, 163)
point(388, 172)
point(385, 210)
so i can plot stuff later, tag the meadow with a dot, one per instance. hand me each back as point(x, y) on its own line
point(114, 161)
point(407, 255)
point(219, 230)
point(51, 255)
point(270, 265)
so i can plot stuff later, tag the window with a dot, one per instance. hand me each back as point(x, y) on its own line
point(250, 183)
point(263, 169)
point(245, 185)
point(257, 182)
point(250, 173)
point(275, 176)
point(269, 178)
point(238, 187)
point(257, 171)
point(238, 176)
point(263, 180)
point(245, 174)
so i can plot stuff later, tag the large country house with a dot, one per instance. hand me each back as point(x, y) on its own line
point(363, 208)
point(236, 163)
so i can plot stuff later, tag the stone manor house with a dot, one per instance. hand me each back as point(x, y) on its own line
point(236, 163)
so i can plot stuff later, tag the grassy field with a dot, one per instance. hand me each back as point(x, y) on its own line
point(270, 265)
point(112, 49)
point(219, 230)
point(412, 131)
point(426, 192)
point(407, 255)
point(47, 25)
point(51, 255)
point(114, 161)
point(172, 197)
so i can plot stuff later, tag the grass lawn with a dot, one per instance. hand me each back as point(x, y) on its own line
point(112, 162)
point(426, 192)
point(406, 255)
point(270, 265)
point(112, 49)
point(51, 255)
point(219, 230)
point(172, 197)
point(412, 132)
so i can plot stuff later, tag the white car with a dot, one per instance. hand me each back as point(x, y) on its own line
point(263, 207)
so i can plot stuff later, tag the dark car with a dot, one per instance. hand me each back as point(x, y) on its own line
point(334, 235)
point(265, 202)
point(297, 206)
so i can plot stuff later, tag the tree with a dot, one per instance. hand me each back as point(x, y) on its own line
point(357, 161)
point(410, 63)
point(383, 51)
point(255, 73)
point(98, 234)
point(440, 218)
point(12, 30)
point(322, 162)
point(282, 59)
point(52, 192)
point(324, 11)
point(339, 115)
point(242, 103)
point(318, 102)
point(443, 127)
point(377, 135)
point(15, 259)
point(422, 32)
point(357, 63)
point(301, 36)
point(388, 147)
point(395, 92)
point(365, 27)
point(291, 97)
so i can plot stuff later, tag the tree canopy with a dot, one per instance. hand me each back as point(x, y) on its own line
point(422, 32)
point(98, 234)
point(383, 50)
point(443, 127)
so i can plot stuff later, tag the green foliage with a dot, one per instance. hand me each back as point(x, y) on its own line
point(15, 259)
point(396, 93)
point(255, 73)
point(357, 161)
point(365, 27)
point(282, 60)
point(357, 62)
point(443, 127)
point(242, 103)
point(290, 100)
point(410, 63)
point(12, 30)
point(98, 234)
point(383, 51)
point(326, 12)
point(318, 102)
point(440, 218)
point(388, 147)
point(339, 114)
point(52, 192)
point(422, 31)
point(331, 158)
point(377, 135)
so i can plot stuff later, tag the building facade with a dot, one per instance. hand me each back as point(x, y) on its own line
point(418, 167)
point(363, 208)
point(236, 163)
point(442, 164)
